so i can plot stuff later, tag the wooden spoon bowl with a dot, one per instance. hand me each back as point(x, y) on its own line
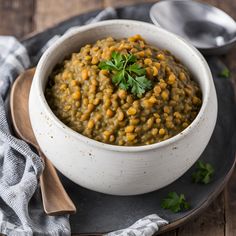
point(55, 199)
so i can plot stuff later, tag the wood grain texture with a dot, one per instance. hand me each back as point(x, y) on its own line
point(230, 207)
point(19, 17)
point(50, 12)
point(16, 17)
point(228, 6)
point(210, 223)
point(170, 233)
point(115, 3)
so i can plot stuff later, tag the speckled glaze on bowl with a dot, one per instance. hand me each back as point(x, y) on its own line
point(113, 169)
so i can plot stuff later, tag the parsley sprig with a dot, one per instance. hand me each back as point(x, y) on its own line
point(203, 173)
point(127, 74)
point(225, 73)
point(175, 202)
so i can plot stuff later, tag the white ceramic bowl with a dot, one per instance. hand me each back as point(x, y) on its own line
point(115, 169)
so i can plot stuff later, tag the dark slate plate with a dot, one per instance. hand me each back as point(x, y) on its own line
point(99, 213)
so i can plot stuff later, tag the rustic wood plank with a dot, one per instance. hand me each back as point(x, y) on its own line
point(171, 233)
point(16, 17)
point(119, 3)
point(51, 12)
point(211, 222)
point(230, 207)
point(228, 6)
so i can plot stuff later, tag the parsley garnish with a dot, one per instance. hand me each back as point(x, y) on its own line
point(203, 173)
point(126, 73)
point(225, 73)
point(175, 202)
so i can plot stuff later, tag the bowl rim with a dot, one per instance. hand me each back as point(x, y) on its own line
point(37, 81)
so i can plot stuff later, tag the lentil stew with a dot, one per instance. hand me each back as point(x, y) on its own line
point(85, 97)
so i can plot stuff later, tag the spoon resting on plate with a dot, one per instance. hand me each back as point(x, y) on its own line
point(55, 199)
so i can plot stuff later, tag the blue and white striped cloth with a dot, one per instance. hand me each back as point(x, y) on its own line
point(13, 60)
point(21, 211)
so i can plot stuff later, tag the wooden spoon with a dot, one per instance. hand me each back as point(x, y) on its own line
point(54, 197)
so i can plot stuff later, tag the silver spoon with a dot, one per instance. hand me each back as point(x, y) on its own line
point(208, 28)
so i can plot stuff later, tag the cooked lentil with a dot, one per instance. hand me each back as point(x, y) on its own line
point(84, 98)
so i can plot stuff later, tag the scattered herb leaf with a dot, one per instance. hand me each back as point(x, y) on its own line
point(225, 73)
point(175, 202)
point(203, 173)
point(126, 73)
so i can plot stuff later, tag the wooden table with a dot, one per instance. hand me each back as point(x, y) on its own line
point(21, 17)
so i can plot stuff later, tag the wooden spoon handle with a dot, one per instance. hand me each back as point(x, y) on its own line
point(55, 199)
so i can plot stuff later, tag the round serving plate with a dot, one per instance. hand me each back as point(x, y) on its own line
point(99, 213)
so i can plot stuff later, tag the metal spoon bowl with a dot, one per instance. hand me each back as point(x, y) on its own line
point(208, 28)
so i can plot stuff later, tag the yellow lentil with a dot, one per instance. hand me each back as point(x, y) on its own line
point(76, 95)
point(130, 137)
point(90, 124)
point(131, 111)
point(109, 113)
point(171, 79)
point(129, 129)
point(162, 131)
point(84, 74)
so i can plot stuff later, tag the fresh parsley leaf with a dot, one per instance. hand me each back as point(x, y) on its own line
point(203, 173)
point(136, 68)
point(118, 77)
point(225, 73)
point(127, 74)
point(108, 65)
point(175, 202)
point(140, 84)
point(117, 57)
point(130, 58)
